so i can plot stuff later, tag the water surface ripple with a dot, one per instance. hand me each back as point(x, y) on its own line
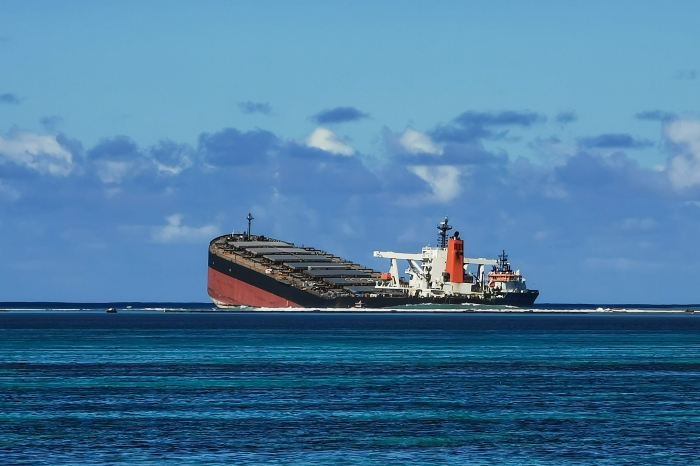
point(94, 388)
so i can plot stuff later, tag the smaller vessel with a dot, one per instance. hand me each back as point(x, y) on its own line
point(111, 310)
point(502, 277)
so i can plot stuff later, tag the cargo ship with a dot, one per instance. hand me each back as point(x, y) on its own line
point(254, 271)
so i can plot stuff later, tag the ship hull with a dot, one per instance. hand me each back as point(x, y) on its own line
point(232, 285)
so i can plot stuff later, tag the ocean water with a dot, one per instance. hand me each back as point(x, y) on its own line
point(149, 387)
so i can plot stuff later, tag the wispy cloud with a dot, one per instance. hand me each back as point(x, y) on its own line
point(255, 107)
point(614, 141)
point(656, 115)
point(566, 117)
point(51, 123)
point(339, 115)
point(470, 126)
point(507, 118)
point(8, 98)
point(175, 232)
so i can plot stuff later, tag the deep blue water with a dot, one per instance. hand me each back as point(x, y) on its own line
point(453, 389)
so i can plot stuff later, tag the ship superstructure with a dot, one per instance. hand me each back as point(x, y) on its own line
point(503, 279)
point(259, 272)
point(439, 271)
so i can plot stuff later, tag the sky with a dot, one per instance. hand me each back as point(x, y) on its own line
point(133, 133)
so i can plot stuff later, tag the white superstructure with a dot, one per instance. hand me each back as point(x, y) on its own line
point(426, 273)
point(443, 271)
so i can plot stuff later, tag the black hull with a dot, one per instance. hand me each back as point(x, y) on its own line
point(308, 300)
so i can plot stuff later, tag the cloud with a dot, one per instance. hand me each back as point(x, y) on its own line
point(614, 141)
point(526, 179)
point(172, 158)
point(8, 98)
point(339, 115)
point(416, 142)
point(507, 118)
point(117, 148)
point(311, 171)
point(175, 232)
point(231, 147)
point(442, 179)
point(470, 126)
point(687, 75)
point(51, 123)
point(117, 158)
point(656, 115)
point(589, 204)
point(327, 141)
point(552, 149)
point(41, 153)
point(255, 107)
point(410, 142)
point(112, 171)
point(610, 175)
point(684, 169)
point(566, 117)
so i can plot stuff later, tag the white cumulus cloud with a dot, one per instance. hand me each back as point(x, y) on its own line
point(176, 232)
point(684, 169)
point(326, 140)
point(41, 153)
point(416, 142)
point(442, 179)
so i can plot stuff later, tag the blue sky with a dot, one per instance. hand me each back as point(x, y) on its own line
point(134, 132)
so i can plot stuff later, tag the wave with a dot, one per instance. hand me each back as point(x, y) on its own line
point(127, 307)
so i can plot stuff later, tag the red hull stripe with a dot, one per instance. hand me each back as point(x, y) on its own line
point(232, 292)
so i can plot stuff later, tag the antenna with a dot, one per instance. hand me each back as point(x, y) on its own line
point(504, 266)
point(250, 219)
point(444, 227)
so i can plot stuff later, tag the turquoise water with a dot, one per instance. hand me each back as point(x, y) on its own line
point(162, 388)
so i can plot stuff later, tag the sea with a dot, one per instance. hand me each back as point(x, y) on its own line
point(185, 384)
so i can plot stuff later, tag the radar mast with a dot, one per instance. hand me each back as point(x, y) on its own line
point(444, 227)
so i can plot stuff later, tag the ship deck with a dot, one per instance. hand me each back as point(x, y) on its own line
point(313, 271)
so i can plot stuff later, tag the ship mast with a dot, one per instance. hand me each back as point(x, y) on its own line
point(250, 218)
point(444, 227)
